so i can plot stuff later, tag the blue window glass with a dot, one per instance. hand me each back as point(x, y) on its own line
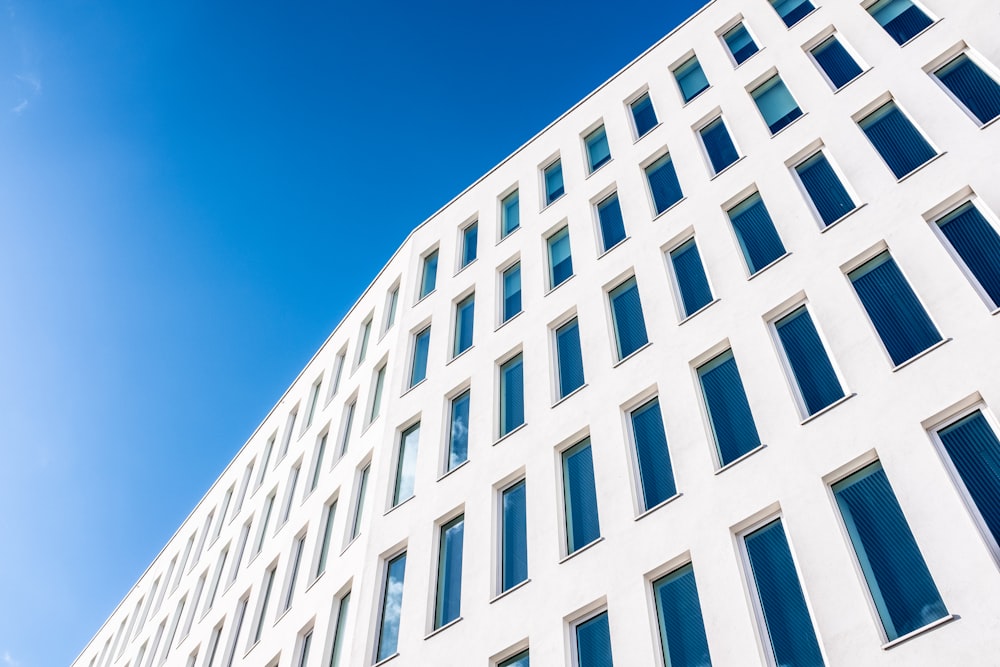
point(510, 213)
point(644, 115)
point(973, 87)
point(827, 193)
point(733, 427)
point(814, 375)
point(390, 319)
point(901, 586)
point(787, 623)
point(421, 342)
point(406, 465)
point(511, 395)
point(359, 501)
point(896, 139)
point(629, 323)
point(449, 581)
point(519, 660)
point(464, 313)
point(580, 496)
point(792, 11)
point(974, 450)
point(514, 545)
point(718, 145)
point(392, 605)
point(554, 188)
point(775, 103)
point(900, 320)
point(692, 282)
point(560, 258)
point(470, 240)
point(511, 291)
point(366, 330)
point(663, 184)
point(682, 629)
point(598, 150)
point(593, 642)
point(458, 430)
point(569, 358)
point(836, 62)
point(609, 215)
point(691, 78)
point(656, 475)
point(900, 18)
point(755, 232)
point(429, 280)
point(740, 43)
point(976, 242)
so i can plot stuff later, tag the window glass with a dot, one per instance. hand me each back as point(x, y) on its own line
point(733, 427)
point(296, 561)
point(464, 313)
point(470, 238)
point(318, 462)
point(901, 18)
point(339, 632)
point(449, 579)
point(755, 232)
point(682, 630)
point(580, 496)
point(458, 430)
point(554, 188)
point(366, 330)
point(511, 395)
point(792, 11)
point(345, 436)
point(511, 291)
point(510, 214)
point(643, 114)
point(656, 475)
point(359, 501)
point(836, 62)
point(718, 144)
point(896, 139)
point(569, 358)
point(514, 546)
point(560, 258)
point(609, 215)
point(740, 43)
point(691, 78)
point(814, 375)
point(593, 642)
point(775, 103)
point(377, 393)
point(392, 606)
point(973, 87)
point(390, 317)
point(977, 244)
point(663, 184)
point(421, 343)
point(626, 314)
point(827, 194)
point(429, 281)
point(692, 283)
point(324, 545)
point(519, 660)
point(598, 150)
point(406, 465)
point(974, 450)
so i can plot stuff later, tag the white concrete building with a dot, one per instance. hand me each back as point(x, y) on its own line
point(705, 372)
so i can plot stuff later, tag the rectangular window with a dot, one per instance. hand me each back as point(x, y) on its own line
point(974, 451)
point(643, 115)
point(241, 611)
point(464, 315)
point(345, 435)
point(808, 360)
point(792, 11)
point(692, 283)
point(377, 387)
point(777, 592)
point(898, 580)
point(691, 78)
point(775, 104)
point(313, 399)
point(511, 395)
point(241, 545)
point(663, 184)
point(268, 450)
point(740, 43)
point(448, 604)
point(510, 214)
point(390, 310)
point(901, 322)
point(366, 331)
point(418, 366)
point(511, 280)
point(718, 145)
point(560, 258)
point(837, 64)
point(318, 462)
point(341, 630)
point(304, 645)
point(592, 639)
point(682, 629)
point(428, 279)
point(656, 475)
point(627, 318)
point(223, 511)
point(268, 508)
point(392, 606)
point(338, 371)
point(296, 560)
point(900, 18)
point(241, 496)
point(513, 536)
point(196, 598)
point(598, 150)
point(827, 194)
point(733, 427)
point(265, 600)
point(293, 480)
point(519, 660)
point(569, 358)
point(554, 187)
point(470, 243)
point(580, 496)
point(213, 645)
point(612, 224)
point(458, 431)
point(900, 144)
point(359, 501)
point(406, 465)
point(977, 245)
point(171, 634)
point(755, 232)
point(289, 430)
point(330, 514)
point(978, 92)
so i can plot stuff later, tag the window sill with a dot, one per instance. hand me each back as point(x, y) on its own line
point(419, 300)
point(504, 237)
point(458, 356)
point(413, 386)
point(988, 123)
point(647, 133)
point(594, 171)
point(669, 208)
point(442, 628)
point(509, 433)
point(920, 355)
point(768, 266)
point(553, 289)
point(570, 394)
point(510, 590)
point(585, 547)
point(283, 613)
point(313, 582)
point(549, 204)
point(624, 359)
point(508, 321)
point(793, 122)
point(398, 505)
point(687, 318)
point(846, 84)
point(919, 631)
point(605, 252)
point(732, 463)
point(921, 167)
point(662, 503)
point(726, 168)
point(696, 95)
point(813, 11)
point(465, 266)
point(819, 413)
point(450, 472)
point(737, 65)
point(995, 311)
point(842, 218)
point(385, 660)
point(933, 23)
point(348, 545)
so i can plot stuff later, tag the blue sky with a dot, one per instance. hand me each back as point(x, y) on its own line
point(192, 194)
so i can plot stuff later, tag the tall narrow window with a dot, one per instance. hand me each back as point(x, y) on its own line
point(901, 322)
point(330, 514)
point(458, 431)
point(787, 624)
point(223, 511)
point(627, 318)
point(216, 578)
point(390, 310)
point(656, 475)
point(511, 395)
point(340, 632)
point(464, 315)
point(418, 367)
point(213, 645)
point(318, 462)
point(593, 642)
point(265, 600)
point(718, 145)
point(740, 43)
point(406, 465)
point(895, 138)
point(560, 258)
point(733, 427)
point(241, 611)
point(470, 243)
point(663, 184)
point(448, 604)
point(900, 18)
point(974, 450)
point(828, 195)
point(580, 496)
point(755, 232)
point(977, 244)
point(311, 412)
point(428, 279)
point(241, 546)
point(366, 332)
point(268, 508)
point(338, 370)
point(609, 215)
point(296, 561)
point(511, 280)
point(265, 460)
point(345, 434)
point(196, 599)
point(377, 387)
point(554, 187)
point(692, 283)
point(682, 629)
point(359, 501)
point(775, 103)
point(691, 78)
point(510, 213)
point(519, 660)
point(513, 536)
point(242, 494)
point(392, 606)
point(304, 644)
point(837, 64)
point(293, 481)
point(808, 360)
point(975, 89)
point(569, 358)
point(178, 612)
point(792, 11)
point(898, 580)
point(289, 431)
point(643, 115)
point(598, 150)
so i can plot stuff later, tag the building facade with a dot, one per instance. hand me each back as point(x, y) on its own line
point(704, 372)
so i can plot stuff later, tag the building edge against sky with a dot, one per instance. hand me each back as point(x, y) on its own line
point(788, 210)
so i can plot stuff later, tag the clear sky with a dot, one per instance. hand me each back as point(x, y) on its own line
point(192, 194)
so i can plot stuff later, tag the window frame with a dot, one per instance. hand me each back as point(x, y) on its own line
point(517, 479)
point(429, 258)
point(947, 58)
point(877, 105)
point(807, 154)
point(592, 613)
point(502, 212)
point(616, 347)
point(964, 197)
point(508, 267)
point(401, 460)
point(677, 292)
point(681, 63)
point(643, 402)
point(571, 447)
point(825, 35)
point(466, 299)
point(464, 391)
point(386, 561)
point(585, 138)
point(764, 84)
point(463, 235)
point(630, 104)
point(555, 355)
point(666, 157)
point(699, 129)
point(733, 24)
point(515, 354)
point(559, 234)
point(596, 204)
point(441, 526)
point(552, 165)
point(868, 4)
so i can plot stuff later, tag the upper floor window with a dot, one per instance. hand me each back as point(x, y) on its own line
point(458, 431)
point(429, 279)
point(974, 450)
point(900, 144)
point(553, 176)
point(366, 332)
point(775, 104)
point(718, 145)
point(808, 360)
point(689, 272)
point(377, 387)
point(406, 465)
point(627, 319)
point(569, 358)
point(510, 213)
point(739, 42)
point(826, 192)
point(656, 475)
point(690, 78)
point(511, 285)
point(519, 660)
point(580, 496)
point(592, 640)
point(663, 184)
point(464, 314)
point(902, 19)
point(755, 232)
point(729, 415)
point(470, 238)
point(611, 222)
point(792, 11)
point(682, 629)
point(977, 245)
point(598, 150)
point(418, 367)
point(448, 603)
point(560, 258)
point(837, 64)
point(511, 394)
point(978, 92)
point(392, 606)
point(643, 115)
point(390, 309)
point(513, 536)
